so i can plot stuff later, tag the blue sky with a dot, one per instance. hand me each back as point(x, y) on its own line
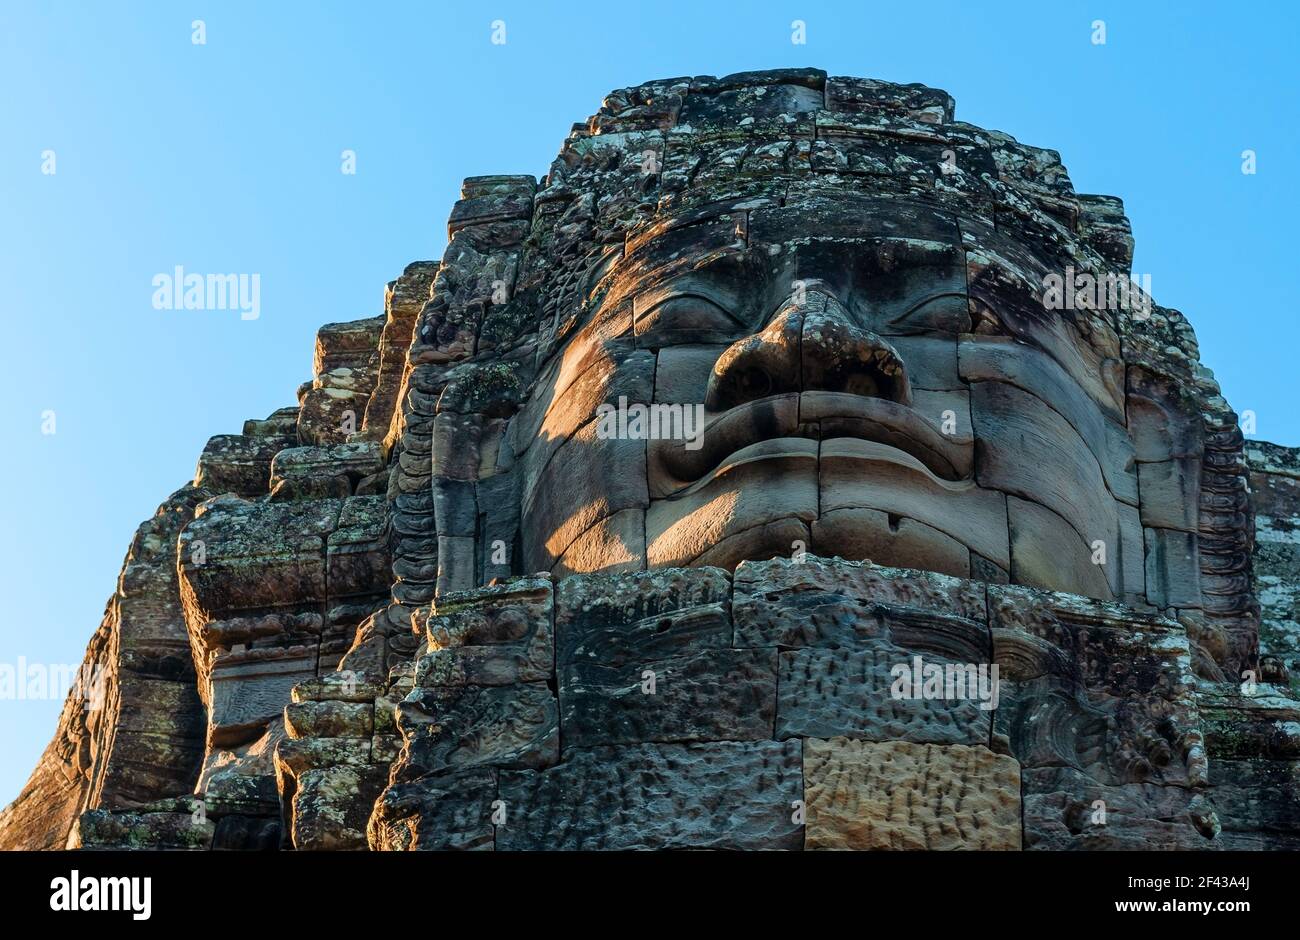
point(225, 157)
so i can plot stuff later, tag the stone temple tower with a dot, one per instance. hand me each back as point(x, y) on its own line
point(792, 466)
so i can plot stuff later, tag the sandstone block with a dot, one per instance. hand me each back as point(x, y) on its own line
point(898, 795)
point(329, 719)
point(727, 795)
point(453, 727)
point(840, 692)
point(105, 829)
point(437, 812)
point(331, 807)
point(719, 695)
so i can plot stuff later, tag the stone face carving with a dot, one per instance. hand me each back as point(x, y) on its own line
point(617, 528)
point(862, 321)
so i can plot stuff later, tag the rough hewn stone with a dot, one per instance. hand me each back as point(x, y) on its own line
point(899, 795)
point(437, 813)
point(101, 829)
point(837, 692)
point(331, 807)
point(724, 796)
point(1064, 809)
point(715, 695)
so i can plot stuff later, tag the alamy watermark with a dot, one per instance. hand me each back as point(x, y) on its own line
point(24, 681)
point(1083, 290)
point(181, 291)
point(78, 892)
point(657, 422)
point(918, 679)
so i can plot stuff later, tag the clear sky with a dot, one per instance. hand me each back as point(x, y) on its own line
point(226, 157)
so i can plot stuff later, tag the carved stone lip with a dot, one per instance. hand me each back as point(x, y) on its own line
point(819, 416)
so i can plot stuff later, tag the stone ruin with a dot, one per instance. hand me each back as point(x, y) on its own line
point(438, 605)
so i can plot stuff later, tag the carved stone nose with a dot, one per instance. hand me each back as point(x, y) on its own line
point(811, 344)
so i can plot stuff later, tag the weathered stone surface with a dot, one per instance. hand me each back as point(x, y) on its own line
point(732, 505)
point(452, 727)
point(1275, 494)
point(1065, 809)
point(600, 618)
point(656, 796)
point(482, 694)
point(296, 755)
point(329, 719)
point(1257, 803)
point(716, 695)
point(816, 602)
point(344, 686)
point(1263, 724)
point(612, 480)
point(1009, 423)
point(249, 689)
point(323, 472)
point(1043, 543)
point(357, 558)
point(1173, 576)
point(246, 834)
point(101, 829)
point(494, 636)
point(1169, 492)
point(436, 813)
point(281, 423)
point(1001, 359)
point(972, 516)
point(242, 780)
point(332, 410)
point(352, 344)
point(682, 373)
point(331, 807)
point(1096, 687)
point(255, 555)
point(235, 463)
point(928, 105)
point(403, 299)
point(898, 795)
point(869, 533)
point(615, 544)
point(837, 692)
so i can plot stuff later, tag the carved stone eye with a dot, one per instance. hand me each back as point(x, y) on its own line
point(944, 312)
point(686, 317)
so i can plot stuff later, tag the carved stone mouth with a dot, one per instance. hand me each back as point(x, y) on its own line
point(817, 416)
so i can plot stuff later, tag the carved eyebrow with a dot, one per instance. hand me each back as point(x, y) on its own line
point(693, 295)
point(924, 301)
